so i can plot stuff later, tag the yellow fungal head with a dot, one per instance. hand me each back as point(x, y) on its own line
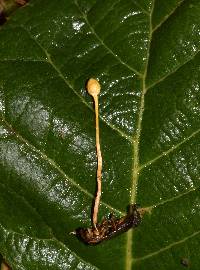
point(93, 87)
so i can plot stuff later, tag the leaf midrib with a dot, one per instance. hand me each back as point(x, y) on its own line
point(136, 142)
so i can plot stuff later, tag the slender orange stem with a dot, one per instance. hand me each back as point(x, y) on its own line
point(93, 88)
point(99, 164)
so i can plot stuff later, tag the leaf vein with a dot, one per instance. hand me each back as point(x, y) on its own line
point(56, 166)
point(106, 13)
point(103, 43)
point(142, 9)
point(174, 71)
point(44, 240)
point(150, 208)
point(167, 16)
point(12, 191)
point(135, 260)
point(165, 153)
point(51, 63)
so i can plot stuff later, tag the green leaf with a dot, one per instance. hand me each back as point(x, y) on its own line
point(146, 57)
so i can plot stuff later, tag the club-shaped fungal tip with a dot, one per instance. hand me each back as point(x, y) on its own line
point(93, 87)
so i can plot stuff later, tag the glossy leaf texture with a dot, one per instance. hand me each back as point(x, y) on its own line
point(146, 56)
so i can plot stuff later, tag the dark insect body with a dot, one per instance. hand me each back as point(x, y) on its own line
point(110, 227)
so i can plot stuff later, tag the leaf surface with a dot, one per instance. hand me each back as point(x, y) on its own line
point(146, 56)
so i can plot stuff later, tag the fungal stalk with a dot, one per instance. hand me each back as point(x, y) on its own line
point(93, 88)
